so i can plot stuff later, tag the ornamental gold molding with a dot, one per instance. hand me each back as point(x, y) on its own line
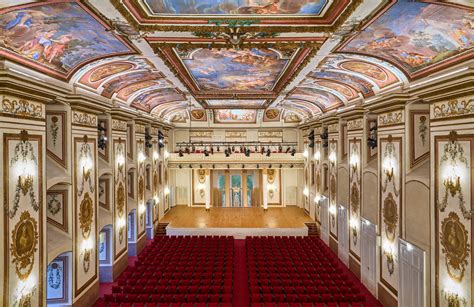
point(21, 107)
point(119, 125)
point(455, 242)
point(154, 130)
point(24, 244)
point(354, 205)
point(201, 176)
point(390, 217)
point(203, 133)
point(139, 128)
point(333, 128)
point(84, 119)
point(453, 108)
point(86, 214)
point(236, 134)
point(391, 118)
point(270, 134)
point(356, 124)
point(270, 175)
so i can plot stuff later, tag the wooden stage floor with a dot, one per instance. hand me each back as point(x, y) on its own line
point(192, 217)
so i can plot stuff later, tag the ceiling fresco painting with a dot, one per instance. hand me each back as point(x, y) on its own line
point(324, 99)
point(236, 7)
point(291, 117)
point(125, 93)
point(149, 100)
point(95, 74)
point(237, 103)
point(122, 81)
point(308, 108)
point(56, 38)
point(240, 70)
point(234, 116)
point(271, 115)
point(199, 115)
point(362, 86)
point(416, 35)
point(348, 92)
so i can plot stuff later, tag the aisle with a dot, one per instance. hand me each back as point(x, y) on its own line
point(241, 296)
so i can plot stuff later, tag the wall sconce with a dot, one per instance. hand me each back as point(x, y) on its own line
point(305, 153)
point(87, 165)
point(141, 208)
point(167, 191)
point(452, 183)
point(25, 178)
point(141, 157)
point(354, 224)
point(157, 200)
point(332, 158)
point(388, 168)
point(453, 299)
point(354, 161)
point(306, 191)
point(388, 251)
point(317, 198)
point(26, 290)
point(317, 156)
point(332, 210)
point(120, 160)
point(121, 226)
point(156, 156)
point(87, 246)
point(166, 154)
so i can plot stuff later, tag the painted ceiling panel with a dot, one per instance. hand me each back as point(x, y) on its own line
point(236, 7)
point(149, 100)
point(235, 116)
point(126, 92)
point(322, 98)
point(348, 92)
point(416, 35)
point(229, 69)
point(355, 82)
point(56, 38)
point(236, 103)
point(123, 81)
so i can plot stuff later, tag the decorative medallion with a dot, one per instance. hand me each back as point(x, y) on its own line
point(86, 214)
point(270, 175)
point(454, 239)
point(202, 176)
point(120, 199)
point(198, 114)
point(54, 205)
point(390, 217)
point(24, 245)
point(272, 114)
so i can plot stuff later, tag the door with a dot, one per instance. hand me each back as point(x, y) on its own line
point(343, 231)
point(236, 190)
point(368, 255)
point(411, 275)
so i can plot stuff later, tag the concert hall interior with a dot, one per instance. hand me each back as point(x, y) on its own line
point(217, 153)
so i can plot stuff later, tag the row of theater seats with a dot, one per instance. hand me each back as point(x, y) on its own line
point(178, 271)
point(299, 270)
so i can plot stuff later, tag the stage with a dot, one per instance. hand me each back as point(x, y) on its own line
point(237, 222)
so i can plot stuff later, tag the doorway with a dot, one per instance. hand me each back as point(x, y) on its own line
point(236, 188)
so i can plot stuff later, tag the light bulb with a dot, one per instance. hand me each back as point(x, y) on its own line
point(305, 153)
point(141, 157)
point(167, 191)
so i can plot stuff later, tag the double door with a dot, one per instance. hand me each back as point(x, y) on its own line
point(236, 189)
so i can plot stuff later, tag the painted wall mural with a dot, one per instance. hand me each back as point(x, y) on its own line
point(85, 175)
point(236, 103)
point(235, 116)
point(415, 35)
point(56, 208)
point(291, 117)
point(355, 199)
point(236, 7)
point(56, 136)
point(23, 219)
point(228, 69)
point(390, 153)
point(453, 215)
point(419, 136)
point(56, 37)
point(128, 91)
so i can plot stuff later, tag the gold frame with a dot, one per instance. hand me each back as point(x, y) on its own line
point(64, 226)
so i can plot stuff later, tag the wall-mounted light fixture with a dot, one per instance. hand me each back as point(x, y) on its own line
point(317, 198)
point(452, 183)
point(453, 293)
point(167, 191)
point(305, 153)
point(87, 246)
point(121, 227)
point(306, 191)
point(156, 156)
point(26, 290)
point(317, 156)
point(388, 251)
point(354, 162)
point(332, 158)
point(166, 154)
point(332, 209)
point(388, 166)
point(87, 166)
point(157, 199)
point(141, 157)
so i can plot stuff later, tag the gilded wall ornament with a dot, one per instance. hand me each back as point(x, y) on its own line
point(85, 157)
point(86, 263)
point(389, 158)
point(390, 217)
point(391, 118)
point(24, 159)
point(54, 205)
point(355, 196)
point(453, 108)
point(270, 176)
point(86, 214)
point(120, 199)
point(453, 156)
point(201, 176)
point(119, 125)
point(24, 244)
point(141, 190)
point(454, 240)
point(84, 119)
point(21, 107)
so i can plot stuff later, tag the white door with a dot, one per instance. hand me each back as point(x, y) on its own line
point(325, 220)
point(343, 235)
point(411, 275)
point(368, 257)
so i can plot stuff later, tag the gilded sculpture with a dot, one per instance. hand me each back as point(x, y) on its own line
point(24, 244)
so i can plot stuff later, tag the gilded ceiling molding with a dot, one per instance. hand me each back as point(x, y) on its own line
point(355, 124)
point(454, 108)
point(15, 106)
point(391, 118)
point(150, 28)
point(84, 119)
point(120, 125)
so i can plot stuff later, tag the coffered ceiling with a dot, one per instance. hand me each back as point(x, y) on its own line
point(237, 61)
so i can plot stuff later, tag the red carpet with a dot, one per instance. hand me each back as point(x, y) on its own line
point(241, 288)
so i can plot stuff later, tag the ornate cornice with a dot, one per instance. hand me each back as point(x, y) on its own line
point(333, 128)
point(454, 108)
point(391, 118)
point(139, 128)
point(270, 134)
point(119, 125)
point(84, 119)
point(15, 106)
point(201, 134)
point(236, 134)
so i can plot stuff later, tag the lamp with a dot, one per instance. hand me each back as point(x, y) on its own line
point(156, 156)
point(332, 210)
point(452, 183)
point(354, 161)
point(166, 154)
point(167, 191)
point(306, 191)
point(141, 157)
point(317, 156)
point(87, 165)
point(332, 158)
point(317, 198)
point(305, 153)
point(157, 199)
point(388, 168)
point(388, 251)
point(87, 246)
point(25, 178)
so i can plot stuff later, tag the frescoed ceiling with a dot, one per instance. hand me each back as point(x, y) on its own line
point(236, 61)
